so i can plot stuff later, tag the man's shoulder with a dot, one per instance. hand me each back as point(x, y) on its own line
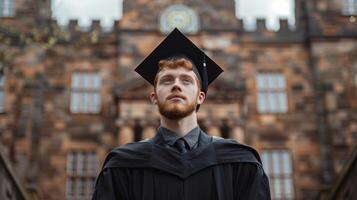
point(230, 149)
point(135, 151)
point(133, 146)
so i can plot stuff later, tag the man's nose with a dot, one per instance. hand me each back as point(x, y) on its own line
point(176, 86)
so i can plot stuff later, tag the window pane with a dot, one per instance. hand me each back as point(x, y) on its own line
point(89, 187)
point(86, 102)
point(96, 81)
point(69, 188)
point(278, 188)
point(70, 163)
point(262, 102)
point(276, 162)
point(283, 107)
point(289, 190)
point(260, 81)
point(265, 161)
point(280, 79)
point(94, 164)
point(82, 102)
point(272, 102)
point(96, 103)
point(2, 81)
point(78, 187)
point(286, 163)
point(270, 81)
point(75, 102)
point(76, 81)
point(83, 189)
point(1, 101)
point(86, 81)
point(80, 162)
point(91, 101)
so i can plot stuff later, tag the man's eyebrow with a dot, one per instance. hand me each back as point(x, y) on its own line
point(186, 76)
point(166, 76)
point(172, 76)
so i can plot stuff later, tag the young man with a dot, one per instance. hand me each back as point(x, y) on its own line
point(181, 161)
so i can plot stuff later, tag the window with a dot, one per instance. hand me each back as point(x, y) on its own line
point(355, 74)
point(271, 95)
point(85, 96)
point(277, 165)
point(2, 83)
point(271, 11)
point(349, 7)
point(81, 174)
point(6, 8)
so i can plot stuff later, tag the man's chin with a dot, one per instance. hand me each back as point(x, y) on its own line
point(176, 112)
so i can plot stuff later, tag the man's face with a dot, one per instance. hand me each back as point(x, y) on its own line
point(176, 93)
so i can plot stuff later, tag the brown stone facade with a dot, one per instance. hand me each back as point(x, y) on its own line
point(318, 60)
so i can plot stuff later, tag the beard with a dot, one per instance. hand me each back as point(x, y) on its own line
point(176, 110)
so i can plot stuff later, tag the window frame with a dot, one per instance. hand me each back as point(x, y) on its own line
point(8, 9)
point(281, 176)
point(80, 181)
point(85, 92)
point(349, 8)
point(2, 92)
point(276, 100)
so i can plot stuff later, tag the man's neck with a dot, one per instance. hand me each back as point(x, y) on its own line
point(181, 126)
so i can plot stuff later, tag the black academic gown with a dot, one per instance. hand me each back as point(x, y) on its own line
point(218, 169)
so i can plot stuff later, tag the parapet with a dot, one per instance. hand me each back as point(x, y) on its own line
point(73, 31)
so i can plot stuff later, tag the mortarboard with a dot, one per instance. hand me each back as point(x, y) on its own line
point(178, 44)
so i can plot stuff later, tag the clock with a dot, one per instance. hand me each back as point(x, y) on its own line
point(181, 17)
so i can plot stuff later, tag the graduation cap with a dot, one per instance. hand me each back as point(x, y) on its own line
point(178, 44)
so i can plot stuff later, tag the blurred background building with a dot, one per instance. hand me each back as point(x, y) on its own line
point(68, 93)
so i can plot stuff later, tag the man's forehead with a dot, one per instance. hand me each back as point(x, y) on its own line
point(176, 72)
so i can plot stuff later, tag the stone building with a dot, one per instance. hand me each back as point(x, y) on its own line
point(68, 95)
point(11, 187)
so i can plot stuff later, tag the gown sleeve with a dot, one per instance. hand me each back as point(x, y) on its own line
point(111, 185)
point(250, 182)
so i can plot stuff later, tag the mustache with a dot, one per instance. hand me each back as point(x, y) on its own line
point(176, 95)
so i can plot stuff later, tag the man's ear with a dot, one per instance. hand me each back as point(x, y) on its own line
point(153, 98)
point(201, 97)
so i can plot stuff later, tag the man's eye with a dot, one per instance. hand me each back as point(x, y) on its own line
point(166, 81)
point(187, 81)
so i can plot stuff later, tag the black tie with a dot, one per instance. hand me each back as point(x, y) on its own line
point(180, 145)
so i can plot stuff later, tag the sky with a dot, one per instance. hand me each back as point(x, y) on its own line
point(271, 10)
point(85, 10)
point(109, 10)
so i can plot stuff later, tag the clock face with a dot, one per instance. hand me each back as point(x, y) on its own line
point(179, 16)
point(179, 19)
